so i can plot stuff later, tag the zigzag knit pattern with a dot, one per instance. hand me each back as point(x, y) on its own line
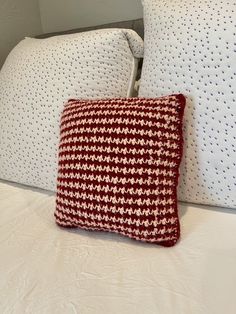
point(119, 167)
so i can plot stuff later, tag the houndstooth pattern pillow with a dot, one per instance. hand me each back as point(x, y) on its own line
point(118, 167)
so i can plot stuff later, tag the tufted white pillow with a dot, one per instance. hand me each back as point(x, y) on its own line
point(190, 48)
point(39, 76)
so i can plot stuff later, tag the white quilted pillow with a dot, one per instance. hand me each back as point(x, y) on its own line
point(37, 78)
point(190, 48)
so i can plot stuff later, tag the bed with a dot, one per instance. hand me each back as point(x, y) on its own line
point(47, 269)
point(76, 271)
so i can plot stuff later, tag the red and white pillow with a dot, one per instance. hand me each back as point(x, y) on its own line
point(119, 167)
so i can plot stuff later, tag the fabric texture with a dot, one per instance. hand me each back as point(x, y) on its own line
point(39, 76)
point(119, 166)
point(45, 269)
point(190, 49)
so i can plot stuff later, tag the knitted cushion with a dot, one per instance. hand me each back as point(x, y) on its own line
point(119, 166)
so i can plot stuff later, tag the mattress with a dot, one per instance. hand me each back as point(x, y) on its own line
point(45, 269)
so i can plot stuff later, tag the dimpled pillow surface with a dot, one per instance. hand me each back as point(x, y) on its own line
point(190, 48)
point(39, 76)
point(119, 166)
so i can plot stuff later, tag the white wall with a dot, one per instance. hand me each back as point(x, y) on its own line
point(59, 15)
point(18, 18)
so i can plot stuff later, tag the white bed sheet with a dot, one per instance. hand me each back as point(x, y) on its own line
point(45, 269)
